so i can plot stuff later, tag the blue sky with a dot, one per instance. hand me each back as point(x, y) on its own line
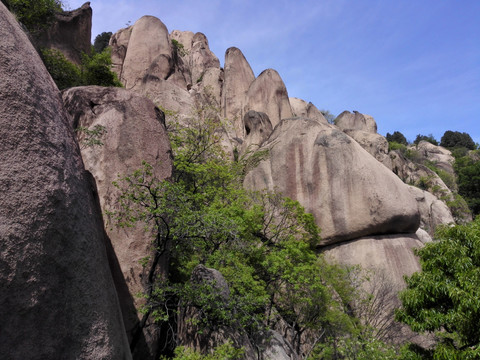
point(414, 65)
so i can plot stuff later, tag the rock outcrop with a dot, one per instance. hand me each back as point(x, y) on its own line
point(237, 79)
point(356, 121)
point(268, 94)
point(438, 155)
point(375, 144)
point(134, 131)
point(257, 129)
point(347, 190)
point(70, 33)
point(58, 298)
point(300, 108)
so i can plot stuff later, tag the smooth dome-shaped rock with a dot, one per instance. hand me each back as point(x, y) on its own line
point(349, 192)
point(356, 121)
point(268, 94)
point(148, 48)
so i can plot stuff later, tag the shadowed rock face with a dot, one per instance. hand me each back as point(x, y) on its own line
point(71, 33)
point(257, 129)
point(347, 190)
point(268, 94)
point(58, 298)
point(135, 132)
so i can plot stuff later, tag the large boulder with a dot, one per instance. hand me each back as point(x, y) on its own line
point(347, 190)
point(301, 108)
point(438, 155)
point(268, 94)
point(134, 131)
point(237, 79)
point(149, 53)
point(118, 44)
point(58, 298)
point(70, 33)
point(356, 121)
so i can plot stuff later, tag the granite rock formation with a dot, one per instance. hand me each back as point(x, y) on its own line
point(350, 193)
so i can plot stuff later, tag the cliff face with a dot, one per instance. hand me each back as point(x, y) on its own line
point(58, 299)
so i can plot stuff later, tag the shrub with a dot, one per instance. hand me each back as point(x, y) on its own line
point(36, 15)
point(397, 137)
point(64, 73)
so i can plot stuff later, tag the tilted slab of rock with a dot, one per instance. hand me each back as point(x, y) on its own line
point(268, 94)
point(135, 132)
point(119, 44)
point(301, 108)
point(58, 298)
point(349, 192)
point(356, 121)
point(238, 76)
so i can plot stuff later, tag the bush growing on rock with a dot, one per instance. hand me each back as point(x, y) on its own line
point(397, 137)
point(36, 15)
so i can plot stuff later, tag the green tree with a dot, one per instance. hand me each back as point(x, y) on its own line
point(263, 244)
point(397, 137)
point(468, 173)
point(63, 72)
point(36, 15)
point(101, 41)
point(430, 138)
point(445, 296)
point(456, 139)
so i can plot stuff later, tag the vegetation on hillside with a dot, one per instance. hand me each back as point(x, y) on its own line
point(445, 297)
point(35, 15)
point(262, 243)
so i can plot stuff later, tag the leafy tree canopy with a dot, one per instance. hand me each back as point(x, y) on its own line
point(468, 173)
point(101, 41)
point(445, 296)
point(36, 15)
point(397, 137)
point(456, 139)
point(430, 138)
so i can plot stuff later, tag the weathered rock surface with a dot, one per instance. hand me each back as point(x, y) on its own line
point(375, 144)
point(433, 212)
point(257, 129)
point(238, 76)
point(58, 298)
point(268, 94)
point(119, 44)
point(438, 155)
point(135, 132)
point(356, 121)
point(149, 52)
point(70, 33)
point(349, 192)
point(301, 108)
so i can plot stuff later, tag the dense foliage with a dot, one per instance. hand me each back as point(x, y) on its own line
point(94, 70)
point(397, 137)
point(101, 41)
point(430, 138)
point(456, 139)
point(445, 296)
point(36, 15)
point(468, 173)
